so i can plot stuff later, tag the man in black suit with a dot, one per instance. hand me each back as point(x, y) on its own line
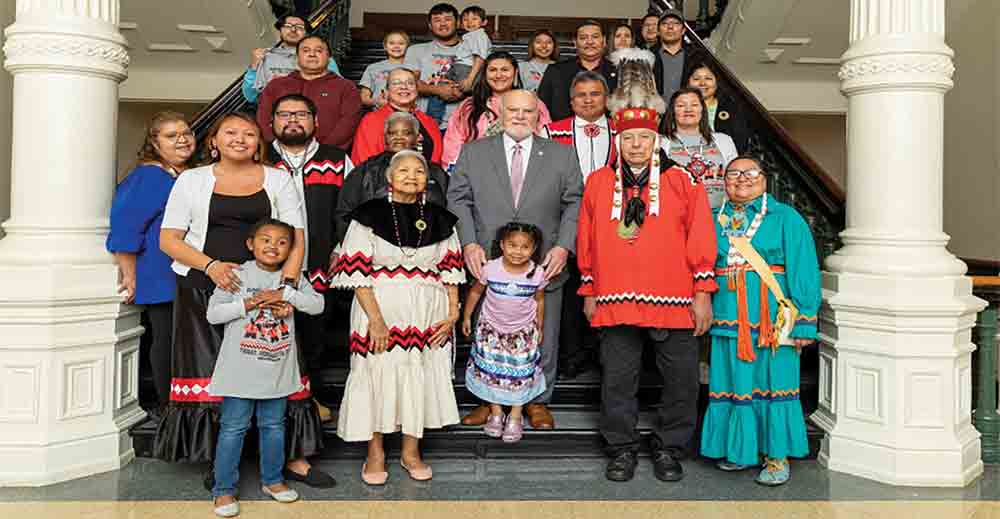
point(554, 89)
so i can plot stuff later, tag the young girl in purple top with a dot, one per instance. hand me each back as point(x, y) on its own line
point(504, 366)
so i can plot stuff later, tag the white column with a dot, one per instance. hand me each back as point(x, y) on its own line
point(895, 364)
point(68, 348)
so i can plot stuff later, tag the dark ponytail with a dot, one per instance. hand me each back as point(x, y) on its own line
point(512, 227)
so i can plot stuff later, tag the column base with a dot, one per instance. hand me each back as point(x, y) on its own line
point(903, 467)
point(69, 370)
point(41, 465)
point(896, 379)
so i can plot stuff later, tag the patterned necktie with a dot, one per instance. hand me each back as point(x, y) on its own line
point(516, 173)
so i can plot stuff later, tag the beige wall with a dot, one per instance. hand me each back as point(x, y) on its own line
point(132, 119)
point(823, 137)
point(576, 8)
point(972, 139)
point(6, 115)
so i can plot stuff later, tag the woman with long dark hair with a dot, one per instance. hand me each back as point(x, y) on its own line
point(479, 115)
point(691, 143)
point(724, 115)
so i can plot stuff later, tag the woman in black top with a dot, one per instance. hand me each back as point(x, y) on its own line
point(724, 116)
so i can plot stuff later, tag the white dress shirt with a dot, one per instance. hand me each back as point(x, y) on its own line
point(592, 152)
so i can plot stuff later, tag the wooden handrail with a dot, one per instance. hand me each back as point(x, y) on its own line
point(231, 99)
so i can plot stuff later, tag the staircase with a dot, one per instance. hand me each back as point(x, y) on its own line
point(576, 403)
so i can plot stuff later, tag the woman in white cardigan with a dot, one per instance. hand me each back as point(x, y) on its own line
point(209, 213)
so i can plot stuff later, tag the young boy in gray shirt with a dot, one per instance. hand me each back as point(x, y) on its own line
point(257, 367)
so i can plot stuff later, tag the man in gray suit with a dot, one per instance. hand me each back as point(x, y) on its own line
point(489, 189)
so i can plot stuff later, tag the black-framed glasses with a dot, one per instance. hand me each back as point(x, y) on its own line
point(294, 27)
point(302, 114)
point(749, 174)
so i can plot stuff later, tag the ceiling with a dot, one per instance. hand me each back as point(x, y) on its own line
point(197, 43)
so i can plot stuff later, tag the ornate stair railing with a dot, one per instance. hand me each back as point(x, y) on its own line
point(795, 178)
point(330, 20)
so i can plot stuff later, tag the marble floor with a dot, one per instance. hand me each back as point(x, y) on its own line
point(485, 488)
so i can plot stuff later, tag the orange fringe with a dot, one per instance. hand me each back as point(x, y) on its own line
point(744, 342)
point(767, 336)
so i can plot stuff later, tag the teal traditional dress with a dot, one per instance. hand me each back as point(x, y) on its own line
point(754, 405)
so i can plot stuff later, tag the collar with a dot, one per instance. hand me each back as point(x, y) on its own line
point(753, 205)
point(580, 122)
point(310, 151)
point(600, 64)
point(509, 142)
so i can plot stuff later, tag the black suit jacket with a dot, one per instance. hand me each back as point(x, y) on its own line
point(554, 88)
point(732, 121)
point(658, 67)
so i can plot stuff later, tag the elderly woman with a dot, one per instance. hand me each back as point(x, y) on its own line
point(136, 215)
point(765, 312)
point(691, 142)
point(479, 115)
point(402, 258)
point(723, 115)
point(401, 91)
point(368, 180)
point(209, 214)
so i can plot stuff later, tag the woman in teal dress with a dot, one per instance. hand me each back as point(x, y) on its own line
point(754, 408)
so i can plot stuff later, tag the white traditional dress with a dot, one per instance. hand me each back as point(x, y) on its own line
point(408, 387)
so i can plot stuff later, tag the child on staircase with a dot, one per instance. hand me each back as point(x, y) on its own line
point(257, 366)
point(503, 368)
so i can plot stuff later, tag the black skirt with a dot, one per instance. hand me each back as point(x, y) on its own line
point(190, 424)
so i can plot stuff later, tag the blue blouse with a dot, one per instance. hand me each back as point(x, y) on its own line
point(784, 238)
point(136, 215)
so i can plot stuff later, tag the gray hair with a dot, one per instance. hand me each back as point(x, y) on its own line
point(402, 155)
point(505, 94)
point(401, 116)
point(588, 75)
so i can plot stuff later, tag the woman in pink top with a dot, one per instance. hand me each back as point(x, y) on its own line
point(504, 366)
point(479, 115)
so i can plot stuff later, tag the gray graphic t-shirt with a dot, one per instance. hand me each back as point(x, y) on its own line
point(433, 61)
point(376, 76)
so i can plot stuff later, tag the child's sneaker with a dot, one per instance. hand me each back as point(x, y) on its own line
point(513, 431)
point(774, 473)
point(494, 426)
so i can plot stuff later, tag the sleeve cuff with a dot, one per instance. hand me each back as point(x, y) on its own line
point(706, 284)
point(805, 328)
point(586, 285)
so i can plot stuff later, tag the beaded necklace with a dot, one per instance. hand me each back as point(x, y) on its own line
point(420, 224)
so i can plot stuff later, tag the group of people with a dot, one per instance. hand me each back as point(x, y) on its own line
point(612, 200)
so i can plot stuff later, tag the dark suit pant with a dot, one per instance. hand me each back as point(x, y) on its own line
point(577, 339)
point(677, 360)
point(549, 350)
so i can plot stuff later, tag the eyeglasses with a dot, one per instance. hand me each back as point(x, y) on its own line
point(304, 114)
point(402, 83)
point(749, 174)
point(294, 27)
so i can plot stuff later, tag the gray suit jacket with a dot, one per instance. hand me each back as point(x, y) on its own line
point(479, 193)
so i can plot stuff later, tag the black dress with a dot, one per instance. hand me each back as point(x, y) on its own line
point(190, 424)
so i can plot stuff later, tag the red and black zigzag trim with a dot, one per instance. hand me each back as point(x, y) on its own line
point(453, 260)
point(326, 172)
point(407, 338)
point(357, 262)
point(319, 279)
point(400, 270)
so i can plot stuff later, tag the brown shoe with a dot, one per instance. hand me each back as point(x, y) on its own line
point(477, 416)
point(539, 416)
point(325, 415)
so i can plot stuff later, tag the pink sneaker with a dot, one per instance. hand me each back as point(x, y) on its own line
point(494, 426)
point(513, 430)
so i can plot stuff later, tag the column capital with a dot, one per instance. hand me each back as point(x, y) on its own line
point(81, 37)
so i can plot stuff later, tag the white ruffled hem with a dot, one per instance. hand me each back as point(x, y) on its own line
point(399, 391)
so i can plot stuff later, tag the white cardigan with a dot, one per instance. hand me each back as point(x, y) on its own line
point(187, 207)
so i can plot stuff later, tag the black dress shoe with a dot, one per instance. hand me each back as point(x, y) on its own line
point(666, 468)
point(314, 478)
point(622, 467)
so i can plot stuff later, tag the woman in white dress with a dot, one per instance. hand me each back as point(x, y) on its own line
point(402, 258)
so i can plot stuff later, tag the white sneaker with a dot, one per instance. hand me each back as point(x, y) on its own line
point(285, 496)
point(229, 510)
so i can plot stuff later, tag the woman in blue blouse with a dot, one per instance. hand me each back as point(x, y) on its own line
point(136, 215)
point(754, 406)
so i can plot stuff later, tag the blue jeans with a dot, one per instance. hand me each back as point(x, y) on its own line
point(436, 108)
point(236, 414)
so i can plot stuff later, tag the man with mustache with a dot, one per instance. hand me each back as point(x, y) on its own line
point(338, 99)
point(268, 64)
point(516, 176)
point(318, 171)
point(554, 89)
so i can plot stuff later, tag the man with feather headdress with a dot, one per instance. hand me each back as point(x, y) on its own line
point(646, 251)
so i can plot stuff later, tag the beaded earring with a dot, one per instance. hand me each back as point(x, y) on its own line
point(214, 153)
